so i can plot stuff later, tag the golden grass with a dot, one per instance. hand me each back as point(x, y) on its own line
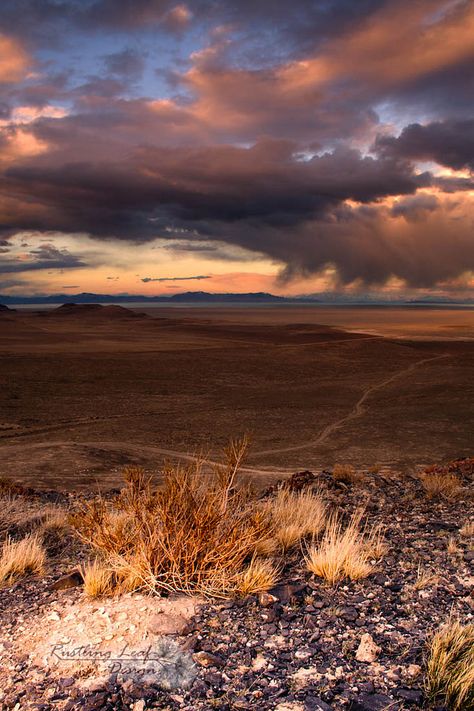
point(467, 531)
point(452, 546)
point(19, 515)
point(195, 534)
point(98, 579)
point(450, 666)
point(295, 516)
point(425, 579)
point(19, 558)
point(344, 552)
point(260, 575)
point(347, 474)
point(441, 485)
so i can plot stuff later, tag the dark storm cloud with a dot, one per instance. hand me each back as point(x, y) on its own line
point(185, 188)
point(450, 143)
point(44, 257)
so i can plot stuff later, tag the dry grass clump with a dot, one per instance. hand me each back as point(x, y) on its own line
point(441, 485)
point(18, 558)
point(98, 580)
point(260, 575)
point(450, 666)
point(195, 534)
point(345, 552)
point(425, 579)
point(347, 474)
point(294, 516)
point(19, 515)
point(467, 531)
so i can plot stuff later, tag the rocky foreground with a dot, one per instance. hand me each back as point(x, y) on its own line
point(303, 645)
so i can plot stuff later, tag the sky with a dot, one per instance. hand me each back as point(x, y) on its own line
point(154, 147)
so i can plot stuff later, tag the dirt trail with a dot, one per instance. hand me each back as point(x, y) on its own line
point(325, 433)
point(356, 411)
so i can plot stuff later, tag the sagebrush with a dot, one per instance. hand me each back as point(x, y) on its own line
point(194, 534)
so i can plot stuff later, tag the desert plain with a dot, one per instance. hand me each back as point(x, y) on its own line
point(87, 390)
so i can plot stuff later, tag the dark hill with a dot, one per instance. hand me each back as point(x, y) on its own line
point(95, 310)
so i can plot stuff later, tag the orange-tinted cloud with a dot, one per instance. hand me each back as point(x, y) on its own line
point(15, 62)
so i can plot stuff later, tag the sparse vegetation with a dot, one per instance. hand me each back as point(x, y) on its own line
point(450, 666)
point(260, 575)
point(344, 552)
point(19, 558)
point(295, 516)
point(441, 485)
point(425, 579)
point(98, 579)
point(347, 474)
point(21, 516)
point(195, 534)
point(467, 531)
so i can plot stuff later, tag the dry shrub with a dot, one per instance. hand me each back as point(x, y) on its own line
point(259, 576)
point(18, 558)
point(195, 534)
point(441, 485)
point(347, 474)
point(294, 516)
point(98, 579)
point(450, 666)
point(344, 552)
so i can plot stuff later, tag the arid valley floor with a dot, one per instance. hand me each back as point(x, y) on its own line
point(85, 391)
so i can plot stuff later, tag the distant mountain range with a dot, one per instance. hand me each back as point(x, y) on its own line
point(251, 298)
point(188, 296)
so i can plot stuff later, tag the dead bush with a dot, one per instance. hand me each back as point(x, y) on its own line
point(195, 534)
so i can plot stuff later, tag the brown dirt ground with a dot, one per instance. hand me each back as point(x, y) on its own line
point(82, 395)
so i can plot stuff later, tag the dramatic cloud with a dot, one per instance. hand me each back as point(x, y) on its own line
point(449, 143)
point(327, 136)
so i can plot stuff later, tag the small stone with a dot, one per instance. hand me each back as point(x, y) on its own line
point(410, 696)
point(138, 705)
point(72, 580)
point(367, 651)
point(206, 659)
point(413, 670)
point(265, 599)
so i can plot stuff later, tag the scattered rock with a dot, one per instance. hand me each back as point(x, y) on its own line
point(367, 650)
